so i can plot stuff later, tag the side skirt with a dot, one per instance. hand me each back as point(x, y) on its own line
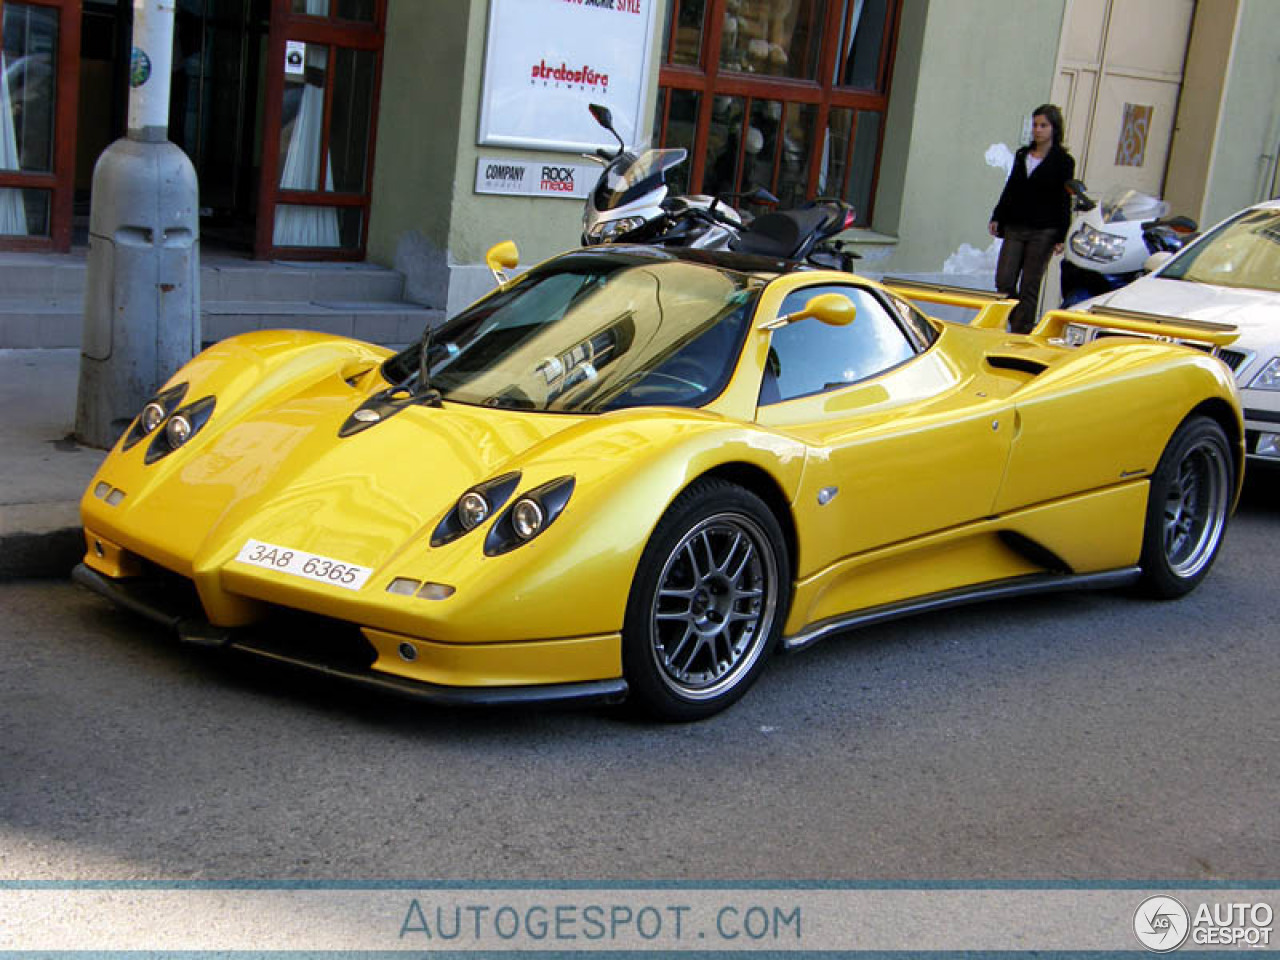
point(1021, 586)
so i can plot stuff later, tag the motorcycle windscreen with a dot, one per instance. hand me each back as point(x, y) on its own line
point(629, 177)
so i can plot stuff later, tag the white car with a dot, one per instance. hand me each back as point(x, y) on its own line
point(1230, 275)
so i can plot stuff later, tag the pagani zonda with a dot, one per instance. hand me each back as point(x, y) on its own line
point(632, 473)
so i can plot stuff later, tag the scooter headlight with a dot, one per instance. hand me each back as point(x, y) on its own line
point(1096, 245)
point(606, 231)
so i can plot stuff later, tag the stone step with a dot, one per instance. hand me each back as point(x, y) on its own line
point(221, 278)
point(54, 323)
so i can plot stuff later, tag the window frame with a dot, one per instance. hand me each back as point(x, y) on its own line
point(708, 81)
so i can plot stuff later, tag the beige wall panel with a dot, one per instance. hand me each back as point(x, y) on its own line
point(1077, 111)
point(1116, 92)
point(1149, 36)
point(1083, 31)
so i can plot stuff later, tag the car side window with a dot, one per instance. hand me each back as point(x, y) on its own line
point(808, 356)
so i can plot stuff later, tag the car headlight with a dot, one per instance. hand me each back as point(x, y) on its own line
point(526, 518)
point(156, 411)
point(529, 516)
point(179, 428)
point(1095, 245)
point(1268, 378)
point(474, 507)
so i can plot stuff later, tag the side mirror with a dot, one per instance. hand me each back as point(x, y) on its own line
point(502, 256)
point(602, 114)
point(829, 308)
point(604, 117)
point(1156, 261)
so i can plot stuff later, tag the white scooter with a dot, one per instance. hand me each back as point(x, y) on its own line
point(1109, 241)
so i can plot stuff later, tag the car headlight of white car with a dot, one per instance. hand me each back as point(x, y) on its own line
point(1268, 378)
point(1096, 245)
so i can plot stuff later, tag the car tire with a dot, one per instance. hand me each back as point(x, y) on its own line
point(707, 604)
point(1187, 509)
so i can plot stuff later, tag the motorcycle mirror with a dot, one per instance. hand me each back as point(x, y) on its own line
point(1182, 224)
point(604, 117)
point(763, 197)
point(1079, 196)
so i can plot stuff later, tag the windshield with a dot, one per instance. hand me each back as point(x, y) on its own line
point(1123, 204)
point(1243, 252)
point(629, 177)
point(590, 332)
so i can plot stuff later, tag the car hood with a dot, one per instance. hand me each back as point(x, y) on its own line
point(281, 474)
point(1255, 312)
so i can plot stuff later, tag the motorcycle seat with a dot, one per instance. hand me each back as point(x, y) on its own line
point(781, 233)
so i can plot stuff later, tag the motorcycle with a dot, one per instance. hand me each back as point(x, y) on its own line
point(631, 202)
point(1109, 241)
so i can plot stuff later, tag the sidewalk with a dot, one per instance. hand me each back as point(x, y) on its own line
point(43, 471)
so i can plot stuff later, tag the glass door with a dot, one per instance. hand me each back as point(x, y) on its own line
point(39, 74)
point(323, 72)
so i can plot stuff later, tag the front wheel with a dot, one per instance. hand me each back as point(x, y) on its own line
point(1187, 508)
point(707, 603)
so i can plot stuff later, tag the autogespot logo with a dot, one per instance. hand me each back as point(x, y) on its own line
point(1161, 923)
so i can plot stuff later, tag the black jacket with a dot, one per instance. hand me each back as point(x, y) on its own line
point(1041, 199)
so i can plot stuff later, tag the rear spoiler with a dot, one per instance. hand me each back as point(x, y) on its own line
point(1073, 327)
point(1076, 327)
point(992, 308)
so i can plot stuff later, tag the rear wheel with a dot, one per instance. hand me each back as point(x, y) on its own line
point(707, 604)
point(1187, 508)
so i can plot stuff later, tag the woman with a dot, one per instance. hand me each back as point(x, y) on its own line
point(1033, 215)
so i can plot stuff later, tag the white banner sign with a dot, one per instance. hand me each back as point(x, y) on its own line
point(535, 178)
point(546, 60)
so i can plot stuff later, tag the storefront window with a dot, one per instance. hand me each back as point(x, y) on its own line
point(777, 39)
point(27, 77)
point(361, 11)
point(683, 36)
point(788, 96)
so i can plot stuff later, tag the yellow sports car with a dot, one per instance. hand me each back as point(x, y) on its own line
point(631, 473)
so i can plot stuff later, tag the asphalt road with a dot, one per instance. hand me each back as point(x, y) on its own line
point(1089, 736)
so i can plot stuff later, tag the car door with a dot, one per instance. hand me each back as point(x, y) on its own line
point(906, 435)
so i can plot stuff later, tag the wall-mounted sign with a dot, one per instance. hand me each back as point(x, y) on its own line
point(1132, 147)
point(295, 58)
point(546, 60)
point(535, 178)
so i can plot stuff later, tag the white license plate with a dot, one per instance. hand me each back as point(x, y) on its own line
point(300, 563)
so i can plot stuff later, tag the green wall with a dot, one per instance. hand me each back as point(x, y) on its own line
point(419, 126)
point(1249, 123)
point(967, 73)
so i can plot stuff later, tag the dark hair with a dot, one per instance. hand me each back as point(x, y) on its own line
point(1054, 116)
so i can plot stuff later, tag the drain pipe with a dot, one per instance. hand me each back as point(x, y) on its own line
point(142, 293)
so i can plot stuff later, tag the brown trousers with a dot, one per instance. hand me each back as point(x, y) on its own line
point(1024, 255)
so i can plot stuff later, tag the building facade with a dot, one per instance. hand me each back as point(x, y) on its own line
point(352, 129)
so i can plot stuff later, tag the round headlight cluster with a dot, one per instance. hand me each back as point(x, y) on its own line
point(178, 430)
point(526, 518)
point(473, 509)
point(151, 417)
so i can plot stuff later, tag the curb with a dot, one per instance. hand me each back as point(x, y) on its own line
point(41, 555)
point(40, 540)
